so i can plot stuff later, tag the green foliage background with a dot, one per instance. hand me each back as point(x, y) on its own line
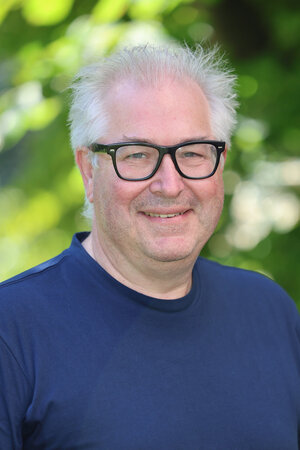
point(42, 44)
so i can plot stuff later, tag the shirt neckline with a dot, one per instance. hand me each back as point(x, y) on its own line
point(106, 280)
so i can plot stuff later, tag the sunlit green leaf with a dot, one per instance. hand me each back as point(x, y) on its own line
point(38, 12)
point(43, 113)
point(41, 213)
point(146, 9)
point(6, 6)
point(71, 189)
point(250, 134)
point(109, 11)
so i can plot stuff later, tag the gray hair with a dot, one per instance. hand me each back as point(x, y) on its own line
point(148, 65)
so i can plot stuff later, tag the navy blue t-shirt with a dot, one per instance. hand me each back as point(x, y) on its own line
point(87, 363)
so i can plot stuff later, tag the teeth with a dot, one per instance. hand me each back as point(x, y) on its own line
point(163, 216)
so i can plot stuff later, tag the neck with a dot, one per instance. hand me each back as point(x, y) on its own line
point(164, 280)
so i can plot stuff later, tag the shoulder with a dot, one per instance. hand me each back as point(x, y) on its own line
point(44, 275)
point(41, 282)
point(252, 291)
point(235, 277)
point(32, 276)
point(32, 295)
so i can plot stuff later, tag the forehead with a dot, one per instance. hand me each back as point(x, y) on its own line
point(171, 109)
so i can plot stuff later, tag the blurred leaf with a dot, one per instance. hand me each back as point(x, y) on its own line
point(109, 11)
point(6, 6)
point(250, 134)
point(185, 15)
point(286, 28)
point(247, 86)
point(146, 9)
point(43, 113)
point(41, 213)
point(50, 12)
point(291, 139)
point(211, 2)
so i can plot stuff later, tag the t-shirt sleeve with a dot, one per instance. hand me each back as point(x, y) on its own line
point(15, 394)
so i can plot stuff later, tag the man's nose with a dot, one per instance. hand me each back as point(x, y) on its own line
point(167, 181)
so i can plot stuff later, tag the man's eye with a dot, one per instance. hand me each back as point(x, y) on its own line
point(137, 156)
point(192, 155)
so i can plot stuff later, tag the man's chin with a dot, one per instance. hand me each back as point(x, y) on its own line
point(172, 255)
point(172, 249)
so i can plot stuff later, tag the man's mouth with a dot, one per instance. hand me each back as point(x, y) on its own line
point(163, 216)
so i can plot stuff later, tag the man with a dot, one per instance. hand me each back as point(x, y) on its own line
point(128, 339)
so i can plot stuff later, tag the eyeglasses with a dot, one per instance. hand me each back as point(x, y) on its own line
point(137, 161)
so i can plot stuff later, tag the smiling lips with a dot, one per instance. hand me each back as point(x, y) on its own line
point(164, 216)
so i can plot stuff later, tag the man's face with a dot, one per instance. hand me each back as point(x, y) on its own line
point(124, 223)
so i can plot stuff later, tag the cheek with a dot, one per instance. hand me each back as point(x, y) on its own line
point(209, 190)
point(210, 197)
point(215, 198)
point(115, 197)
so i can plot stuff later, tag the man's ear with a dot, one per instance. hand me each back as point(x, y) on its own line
point(85, 166)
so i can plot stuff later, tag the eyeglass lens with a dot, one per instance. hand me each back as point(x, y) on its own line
point(194, 160)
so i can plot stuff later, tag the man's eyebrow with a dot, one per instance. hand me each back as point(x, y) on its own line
point(136, 139)
point(147, 141)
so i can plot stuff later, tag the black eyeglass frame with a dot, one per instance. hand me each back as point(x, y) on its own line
point(111, 150)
